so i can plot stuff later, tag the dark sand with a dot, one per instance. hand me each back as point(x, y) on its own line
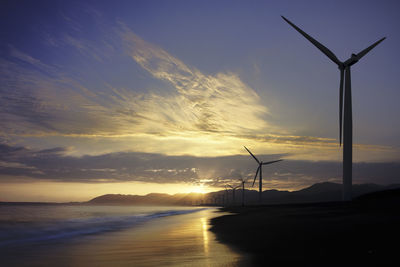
point(365, 232)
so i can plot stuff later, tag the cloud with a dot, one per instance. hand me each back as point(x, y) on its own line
point(42, 99)
point(164, 106)
point(209, 103)
point(55, 165)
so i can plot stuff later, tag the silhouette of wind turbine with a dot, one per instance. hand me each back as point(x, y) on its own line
point(259, 170)
point(243, 182)
point(226, 193)
point(345, 108)
point(233, 192)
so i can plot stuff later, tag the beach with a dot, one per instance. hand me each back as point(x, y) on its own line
point(166, 239)
point(359, 233)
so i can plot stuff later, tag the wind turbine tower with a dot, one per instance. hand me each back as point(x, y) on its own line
point(233, 193)
point(259, 170)
point(243, 182)
point(345, 107)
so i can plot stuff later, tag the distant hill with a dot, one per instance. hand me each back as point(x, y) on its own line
point(149, 199)
point(382, 199)
point(320, 192)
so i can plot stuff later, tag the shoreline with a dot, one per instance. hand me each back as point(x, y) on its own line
point(176, 240)
point(359, 233)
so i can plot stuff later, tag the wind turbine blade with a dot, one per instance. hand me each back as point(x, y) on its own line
point(230, 186)
point(369, 48)
point(341, 105)
point(320, 46)
point(255, 176)
point(253, 155)
point(270, 162)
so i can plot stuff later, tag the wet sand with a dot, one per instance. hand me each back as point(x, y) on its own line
point(362, 233)
point(182, 240)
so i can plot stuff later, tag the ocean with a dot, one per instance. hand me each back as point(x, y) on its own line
point(88, 235)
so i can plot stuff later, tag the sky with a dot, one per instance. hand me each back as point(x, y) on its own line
point(134, 97)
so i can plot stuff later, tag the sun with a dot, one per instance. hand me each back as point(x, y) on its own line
point(198, 189)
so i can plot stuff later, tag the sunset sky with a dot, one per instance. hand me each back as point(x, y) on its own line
point(136, 97)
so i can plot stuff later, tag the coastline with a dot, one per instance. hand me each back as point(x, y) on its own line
point(176, 240)
point(358, 233)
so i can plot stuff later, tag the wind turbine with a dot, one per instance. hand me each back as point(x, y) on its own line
point(227, 193)
point(259, 170)
point(243, 182)
point(345, 108)
point(233, 192)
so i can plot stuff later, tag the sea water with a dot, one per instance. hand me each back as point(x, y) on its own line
point(88, 235)
point(31, 223)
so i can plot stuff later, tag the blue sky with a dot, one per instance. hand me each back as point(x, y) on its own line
point(88, 79)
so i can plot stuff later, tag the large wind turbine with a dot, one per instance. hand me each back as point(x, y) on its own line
point(259, 170)
point(345, 109)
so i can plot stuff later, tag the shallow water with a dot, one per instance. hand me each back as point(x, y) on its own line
point(111, 235)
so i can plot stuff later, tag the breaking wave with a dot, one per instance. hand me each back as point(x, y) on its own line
point(22, 232)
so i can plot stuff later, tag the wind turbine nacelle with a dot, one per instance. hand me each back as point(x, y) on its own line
point(352, 60)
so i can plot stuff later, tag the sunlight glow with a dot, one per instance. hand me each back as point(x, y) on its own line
point(199, 189)
point(45, 191)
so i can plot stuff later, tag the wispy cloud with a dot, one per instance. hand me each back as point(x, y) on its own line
point(218, 103)
point(47, 97)
point(188, 113)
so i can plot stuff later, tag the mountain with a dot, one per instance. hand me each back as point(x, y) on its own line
point(130, 199)
point(384, 199)
point(149, 199)
point(320, 192)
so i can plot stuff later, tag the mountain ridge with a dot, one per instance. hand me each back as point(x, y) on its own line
point(319, 192)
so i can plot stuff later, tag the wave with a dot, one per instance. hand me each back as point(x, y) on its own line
point(16, 234)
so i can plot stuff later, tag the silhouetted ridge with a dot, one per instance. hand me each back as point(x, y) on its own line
point(390, 196)
point(320, 192)
point(322, 188)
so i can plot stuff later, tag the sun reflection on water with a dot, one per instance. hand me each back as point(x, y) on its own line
point(181, 240)
point(205, 235)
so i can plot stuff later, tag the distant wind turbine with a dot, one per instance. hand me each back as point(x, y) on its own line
point(233, 192)
point(243, 182)
point(226, 193)
point(223, 199)
point(259, 170)
point(345, 108)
